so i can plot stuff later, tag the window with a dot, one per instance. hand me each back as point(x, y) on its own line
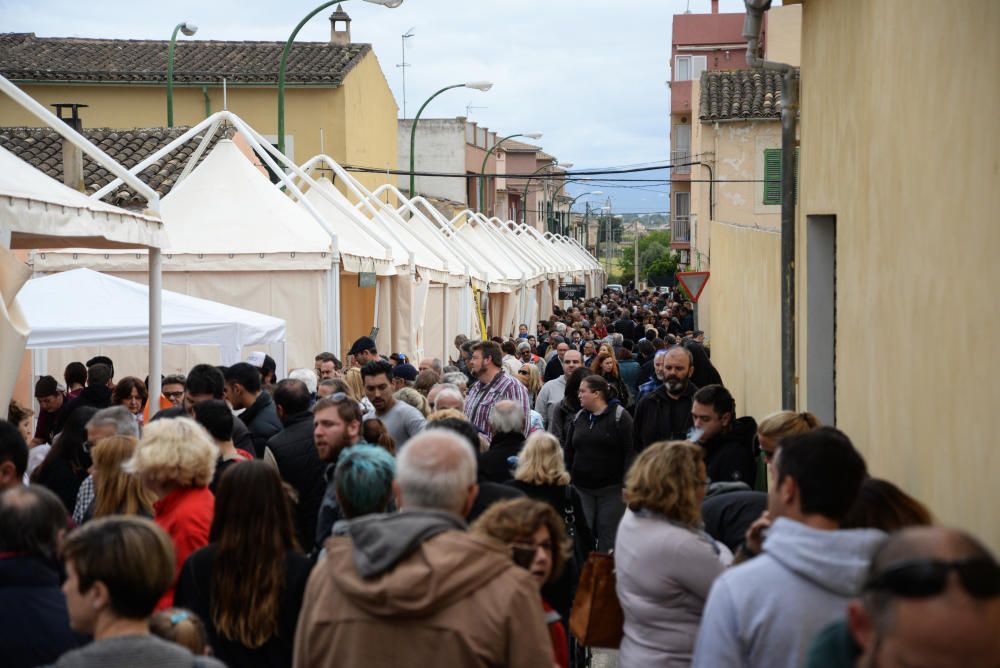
point(772, 175)
point(687, 68)
point(682, 205)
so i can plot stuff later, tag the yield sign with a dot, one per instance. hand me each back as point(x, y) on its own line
point(693, 282)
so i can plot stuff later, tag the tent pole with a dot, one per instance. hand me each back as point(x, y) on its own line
point(444, 330)
point(335, 301)
point(155, 324)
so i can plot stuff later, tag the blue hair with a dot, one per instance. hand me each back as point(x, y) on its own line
point(363, 479)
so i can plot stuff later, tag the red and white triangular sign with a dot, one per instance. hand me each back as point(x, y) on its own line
point(693, 282)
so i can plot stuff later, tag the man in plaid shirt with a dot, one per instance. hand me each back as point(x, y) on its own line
point(493, 384)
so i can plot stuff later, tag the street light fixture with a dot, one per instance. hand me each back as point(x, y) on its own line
point(391, 4)
point(573, 201)
point(475, 85)
point(188, 29)
point(482, 172)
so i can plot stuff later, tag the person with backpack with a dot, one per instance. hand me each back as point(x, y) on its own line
point(598, 453)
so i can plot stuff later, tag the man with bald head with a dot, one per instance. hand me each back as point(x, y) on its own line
point(552, 392)
point(665, 413)
point(414, 587)
point(932, 598)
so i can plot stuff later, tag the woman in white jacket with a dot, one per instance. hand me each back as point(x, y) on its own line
point(665, 563)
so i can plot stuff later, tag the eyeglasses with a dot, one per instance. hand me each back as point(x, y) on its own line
point(923, 578)
point(523, 554)
point(338, 396)
point(174, 395)
point(523, 372)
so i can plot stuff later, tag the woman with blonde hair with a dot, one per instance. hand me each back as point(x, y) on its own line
point(175, 460)
point(356, 390)
point(541, 474)
point(531, 379)
point(117, 492)
point(664, 563)
point(409, 395)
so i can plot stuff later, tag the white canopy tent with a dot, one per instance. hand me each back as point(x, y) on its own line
point(84, 308)
point(37, 211)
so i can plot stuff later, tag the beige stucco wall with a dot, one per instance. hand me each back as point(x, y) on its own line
point(899, 142)
point(784, 35)
point(358, 120)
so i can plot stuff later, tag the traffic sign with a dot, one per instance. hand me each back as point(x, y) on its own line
point(693, 282)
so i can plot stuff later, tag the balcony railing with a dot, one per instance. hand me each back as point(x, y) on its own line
point(680, 229)
point(680, 155)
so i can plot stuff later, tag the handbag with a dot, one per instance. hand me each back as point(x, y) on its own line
point(597, 619)
point(580, 551)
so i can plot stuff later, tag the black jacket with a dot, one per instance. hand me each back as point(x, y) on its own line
point(98, 396)
point(727, 516)
point(490, 493)
point(729, 456)
point(300, 466)
point(658, 417)
point(553, 369)
point(705, 372)
point(34, 622)
point(561, 418)
point(261, 419)
point(493, 463)
point(193, 592)
point(241, 435)
point(599, 447)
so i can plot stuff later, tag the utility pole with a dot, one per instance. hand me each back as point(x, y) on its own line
point(405, 36)
point(635, 253)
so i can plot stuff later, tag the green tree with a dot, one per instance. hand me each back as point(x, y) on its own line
point(655, 256)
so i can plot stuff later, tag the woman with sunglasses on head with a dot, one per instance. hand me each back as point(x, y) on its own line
point(665, 563)
point(531, 378)
point(537, 540)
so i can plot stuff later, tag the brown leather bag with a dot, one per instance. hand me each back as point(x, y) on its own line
point(597, 619)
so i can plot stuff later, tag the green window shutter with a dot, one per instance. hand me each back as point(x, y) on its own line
point(772, 176)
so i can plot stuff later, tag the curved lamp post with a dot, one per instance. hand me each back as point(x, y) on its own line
point(391, 4)
point(482, 172)
point(573, 201)
point(477, 85)
point(188, 29)
point(524, 209)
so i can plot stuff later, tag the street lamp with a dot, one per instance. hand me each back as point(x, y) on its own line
point(476, 85)
point(188, 29)
point(391, 4)
point(573, 201)
point(524, 209)
point(482, 177)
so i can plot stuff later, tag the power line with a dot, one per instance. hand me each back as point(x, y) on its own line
point(567, 175)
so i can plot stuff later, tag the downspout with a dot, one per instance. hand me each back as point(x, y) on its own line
point(208, 101)
point(789, 110)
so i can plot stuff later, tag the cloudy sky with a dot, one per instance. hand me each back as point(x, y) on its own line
point(589, 74)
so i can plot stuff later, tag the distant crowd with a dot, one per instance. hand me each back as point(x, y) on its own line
point(389, 510)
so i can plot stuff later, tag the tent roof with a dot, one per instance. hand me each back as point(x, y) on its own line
point(40, 212)
point(60, 310)
point(356, 236)
point(226, 206)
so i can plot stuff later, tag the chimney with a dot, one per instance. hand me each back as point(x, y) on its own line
point(715, 6)
point(340, 37)
point(72, 156)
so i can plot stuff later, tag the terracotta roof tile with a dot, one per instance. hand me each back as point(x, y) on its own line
point(23, 56)
point(42, 148)
point(740, 94)
point(514, 145)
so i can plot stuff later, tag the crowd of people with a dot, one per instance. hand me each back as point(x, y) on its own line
point(384, 510)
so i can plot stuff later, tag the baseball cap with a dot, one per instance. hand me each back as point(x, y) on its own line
point(406, 371)
point(256, 359)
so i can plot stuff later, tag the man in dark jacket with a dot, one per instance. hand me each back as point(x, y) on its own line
point(295, 453)
point(34, 621)
point(203, 383)
point(243, 390)
point(507, 420)
point(728, 442)
point(96, 394)
point(665, 413)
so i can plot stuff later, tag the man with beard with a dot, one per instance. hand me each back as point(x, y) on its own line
point(336, 425)
point(728, 442)
point(492, 385)
point(401, 419)
point(665, 413)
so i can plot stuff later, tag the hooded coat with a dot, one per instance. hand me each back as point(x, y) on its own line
point(415, 589)
point(766, 611)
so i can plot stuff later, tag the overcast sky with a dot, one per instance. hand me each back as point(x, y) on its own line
point(589, 74)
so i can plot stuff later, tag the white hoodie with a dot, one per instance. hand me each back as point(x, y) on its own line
point(766, 611)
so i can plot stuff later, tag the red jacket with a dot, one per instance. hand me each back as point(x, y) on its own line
point(186, 515)
point(560, 643)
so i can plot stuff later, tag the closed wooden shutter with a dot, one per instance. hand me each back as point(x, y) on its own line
point(772, 176)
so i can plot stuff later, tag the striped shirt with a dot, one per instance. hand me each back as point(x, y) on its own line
point(482, 398)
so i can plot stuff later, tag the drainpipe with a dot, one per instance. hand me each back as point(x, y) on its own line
point(789, 110)
point(208, 101)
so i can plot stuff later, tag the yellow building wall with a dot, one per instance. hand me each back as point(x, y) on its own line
point(784, 35)
point(357, 121)
point(899, 142)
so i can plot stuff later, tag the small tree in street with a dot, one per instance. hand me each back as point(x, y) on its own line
point(655, 257)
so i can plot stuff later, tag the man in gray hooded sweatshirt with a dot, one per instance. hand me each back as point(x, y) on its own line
point(767, 611)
